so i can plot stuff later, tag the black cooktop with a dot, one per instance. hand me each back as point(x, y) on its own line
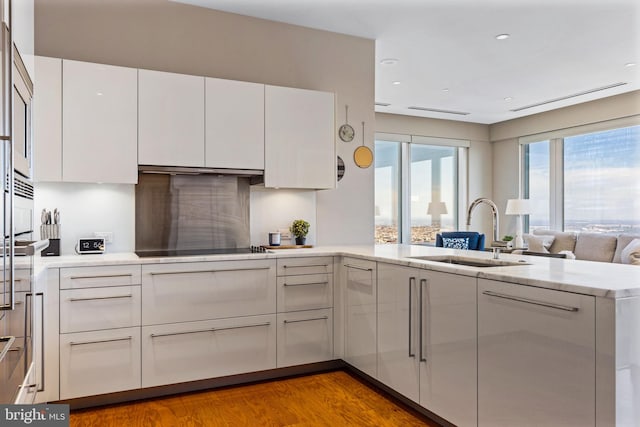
point(187, 252)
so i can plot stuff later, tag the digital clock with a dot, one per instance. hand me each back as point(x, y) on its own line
point(90, 245)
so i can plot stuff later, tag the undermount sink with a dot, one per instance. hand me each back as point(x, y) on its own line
point(470, 262)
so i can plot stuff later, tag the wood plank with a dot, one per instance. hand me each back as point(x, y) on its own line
point(328, 399)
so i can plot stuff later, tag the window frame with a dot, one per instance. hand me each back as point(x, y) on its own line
point(460, 176)
point(556, 163)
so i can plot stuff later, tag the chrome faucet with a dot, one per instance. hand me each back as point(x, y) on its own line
point(494, 211)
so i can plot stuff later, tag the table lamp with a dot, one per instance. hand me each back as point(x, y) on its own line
point(436, 209)
point(518, 207)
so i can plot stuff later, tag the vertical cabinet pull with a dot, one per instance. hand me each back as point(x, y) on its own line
point(423, 283)
point(412, 281)
point(41, 294)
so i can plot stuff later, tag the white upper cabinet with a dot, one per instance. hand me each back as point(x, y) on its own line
point(99, 117)
point(234, 124)
point(47, 123)
point(299, 138)
point(22, 29)
point(171, 119)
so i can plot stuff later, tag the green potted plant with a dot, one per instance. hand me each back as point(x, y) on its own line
point(300, 229)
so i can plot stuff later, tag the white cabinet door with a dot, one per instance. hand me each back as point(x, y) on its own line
point(99, 362)
point(305, 292)
point(398, 361)
point(305, 337)
point(99, 308)
point(536, 356)
point(234, 124)
point(192, 351)
point(99, 276)
point(299, 138)
point(448, 372)
point(170, 119)
point(360, 314)
point(184, 292)
point(47, 124)
point(100, 125)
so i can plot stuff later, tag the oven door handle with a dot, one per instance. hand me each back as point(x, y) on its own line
point(8, 343)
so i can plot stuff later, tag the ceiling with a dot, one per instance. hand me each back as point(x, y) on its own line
point(448, 57)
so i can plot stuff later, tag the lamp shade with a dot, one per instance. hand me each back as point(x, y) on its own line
point(518, 207)
point(437, 208)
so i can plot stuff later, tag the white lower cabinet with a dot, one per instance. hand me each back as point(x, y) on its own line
point(536, 356)
point(427, 339)
point(99, 362)
point(360, 345)
point(183, 292)
point(191, 351)
point(305, 337)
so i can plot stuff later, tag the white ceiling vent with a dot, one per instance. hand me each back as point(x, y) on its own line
point(436, 110)
point(537, 104)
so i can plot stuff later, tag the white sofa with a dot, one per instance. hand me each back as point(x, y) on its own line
point(589, 246)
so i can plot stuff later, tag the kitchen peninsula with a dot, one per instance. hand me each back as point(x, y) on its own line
point(471, 345)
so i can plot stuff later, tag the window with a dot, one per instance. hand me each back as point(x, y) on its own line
point(416, 189)
point(588, 181)
point(387, 191)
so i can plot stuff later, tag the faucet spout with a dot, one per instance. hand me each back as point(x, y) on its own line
point(494, 212)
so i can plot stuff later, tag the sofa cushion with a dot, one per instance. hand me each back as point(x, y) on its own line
point(623, 241)
point(564, 241)
point(595, 247)
point(540, 243)
point(631, 253)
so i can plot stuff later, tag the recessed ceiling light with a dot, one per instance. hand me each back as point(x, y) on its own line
point(502, 36)
point(99, 93)
point(630, 64)
point(389, 61)
point(396, 83)
point(508, 99)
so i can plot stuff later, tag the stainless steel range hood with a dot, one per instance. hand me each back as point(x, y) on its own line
point(256, 176)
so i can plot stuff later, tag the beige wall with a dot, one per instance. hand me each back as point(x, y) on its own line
point(167, 36)
point(480, 155)
point(613, 107)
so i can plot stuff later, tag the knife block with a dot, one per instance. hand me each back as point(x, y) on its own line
point(53, 249)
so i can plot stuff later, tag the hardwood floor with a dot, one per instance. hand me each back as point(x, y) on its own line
point(327, 399)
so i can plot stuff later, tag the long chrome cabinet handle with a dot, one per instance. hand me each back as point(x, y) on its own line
point(99, 298)
point(109, 276)
point(423, 282)
point(199, 331)
point(160, 273)
point(531, 301)
point(305, 266)
point(307, 320)
point(306, 284)
point(129, 338)
point(412, 281)
point(41, 294)
point(357, 267)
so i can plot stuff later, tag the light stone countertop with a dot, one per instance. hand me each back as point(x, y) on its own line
point(585, 277)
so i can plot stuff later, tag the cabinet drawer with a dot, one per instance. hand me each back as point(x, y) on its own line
point(208, 290)
point(99, 362)
point(305, 337)
point(305, 292)
point(99, 308)
point(93, 277)
point(208, 349)
point(312, 265)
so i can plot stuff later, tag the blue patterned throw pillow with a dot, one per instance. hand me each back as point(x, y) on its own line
point(455, 242)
